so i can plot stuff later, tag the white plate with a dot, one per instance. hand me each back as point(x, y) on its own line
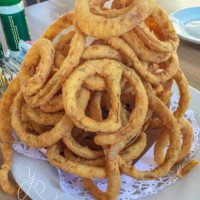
point(187, 23)
point(44, 179)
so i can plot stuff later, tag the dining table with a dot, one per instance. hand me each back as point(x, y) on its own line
point(41, 15)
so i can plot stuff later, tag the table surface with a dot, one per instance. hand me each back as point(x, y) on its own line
point(42, 14)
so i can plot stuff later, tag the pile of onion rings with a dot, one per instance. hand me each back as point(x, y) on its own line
point(91, 106)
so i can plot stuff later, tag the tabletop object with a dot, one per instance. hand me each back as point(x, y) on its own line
point(187, 23)
point(42, 14)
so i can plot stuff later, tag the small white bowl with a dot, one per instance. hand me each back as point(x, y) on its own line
point(187, 24)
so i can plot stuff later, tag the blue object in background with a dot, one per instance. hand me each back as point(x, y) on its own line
point(187, 23)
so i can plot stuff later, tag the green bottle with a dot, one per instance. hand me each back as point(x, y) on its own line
point(14, 24)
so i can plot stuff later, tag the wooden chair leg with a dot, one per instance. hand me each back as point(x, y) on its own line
point(38, 1)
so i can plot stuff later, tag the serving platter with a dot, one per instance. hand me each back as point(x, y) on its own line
point(187, 24)
point(39, 180)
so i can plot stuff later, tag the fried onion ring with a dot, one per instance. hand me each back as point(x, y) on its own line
point(132, 127)
point(112, 71)
point(187, 168)
point(113, 176)
point(184, 99)
point(163, 140)
point(5, 115)
point(54, 135)
point(184, 93)
point(7, 153)
point(55, 83)
point(99, 162)
point(168, 73)
point(99, 51)
point(40, 141)
point(6, 138)
point(174, 148)
point(143, 52)
point(40, 117)
point(133, 150)
point(71, 166)
point(163, 27)
point(63, 22)
point(79, 150)
point(56, 104)
point(36, 67)
point(101, 25)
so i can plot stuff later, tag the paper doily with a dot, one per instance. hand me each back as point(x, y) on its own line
point(130, 188)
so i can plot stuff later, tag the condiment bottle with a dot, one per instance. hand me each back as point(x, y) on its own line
point(14, 24)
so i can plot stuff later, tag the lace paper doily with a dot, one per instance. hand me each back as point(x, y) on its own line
point(130, 188)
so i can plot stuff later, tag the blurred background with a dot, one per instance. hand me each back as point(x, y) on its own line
point(32, 2)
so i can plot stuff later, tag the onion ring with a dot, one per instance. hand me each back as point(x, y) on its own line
point(158, 21)
point(55, 83)
point(184, 93)
point(34, 141)
point(143, 52)
point(36, 67)
point(6, 138)
point(154, 124)
point(95, 82)
point(163, 140)
point(54, 135)
point(133, 150)
point(30, 125)
point(56, 104)
point(63, 22)
point(117, 4)
point(59, 59)
point(41, 117)
point(132, 127)
point(187, 168)
point(184, 99)
point(162, 77)
point(76, 148)
point(7, 153)
point(100, 26)
point(39, 128)
point(79, 150)
point(112, 71)
point(99, 162)
point(71, 166)
point(5, 106)
point(113, 176)
point(174, 148)
point(99, 51)
point(62, 48)
point(63, 41)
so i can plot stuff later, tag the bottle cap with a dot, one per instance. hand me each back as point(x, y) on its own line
point(9, 2)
